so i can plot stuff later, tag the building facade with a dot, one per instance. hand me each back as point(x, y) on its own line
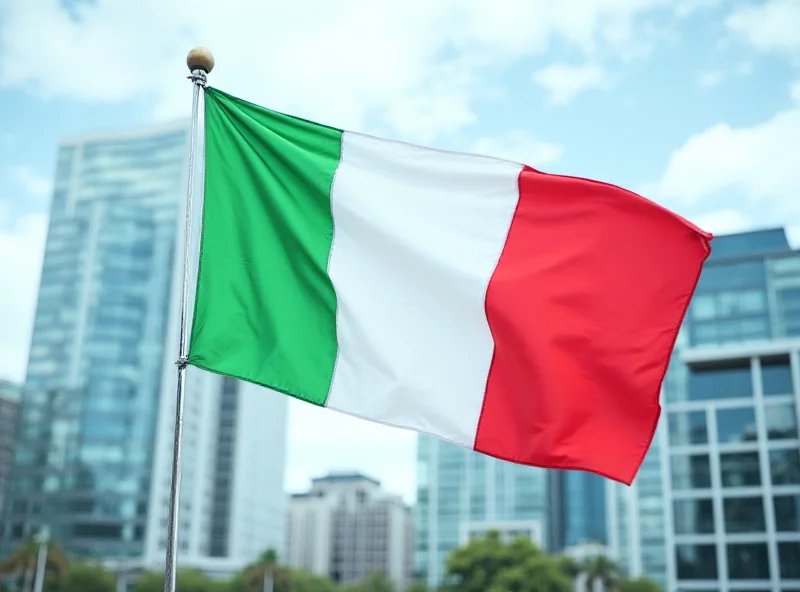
point(577, 509)
point(9, 404)
point(462, 493)
point(717, 505)
point(92, 459)
point(346, 527)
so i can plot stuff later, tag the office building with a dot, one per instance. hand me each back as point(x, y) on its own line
point(346, 527)
point(462, 493)
point(9, 403)
point(577, 509)
point(92, 460)
point(717, 506)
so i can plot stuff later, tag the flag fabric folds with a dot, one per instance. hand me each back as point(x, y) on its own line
point(524, 315)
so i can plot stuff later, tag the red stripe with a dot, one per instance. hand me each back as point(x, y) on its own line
point(584, 307)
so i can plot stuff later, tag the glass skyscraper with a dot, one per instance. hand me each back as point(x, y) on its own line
point(717, 505)
point(462, 494)
point(577, 509)
point(94, 444)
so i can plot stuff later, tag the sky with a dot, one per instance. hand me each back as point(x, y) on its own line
point(693, 103)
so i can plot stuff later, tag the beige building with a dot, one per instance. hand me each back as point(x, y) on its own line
point(347, 527)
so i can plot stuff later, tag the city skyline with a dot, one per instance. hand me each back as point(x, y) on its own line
point(695, 103)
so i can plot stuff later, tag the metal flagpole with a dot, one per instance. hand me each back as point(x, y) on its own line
point(200, 62)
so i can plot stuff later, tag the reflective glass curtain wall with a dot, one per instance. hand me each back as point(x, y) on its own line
point(83, 458)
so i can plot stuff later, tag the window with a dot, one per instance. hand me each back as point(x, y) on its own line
point(781, 421)
point(693, 516)
point(787, 513)
point(696, 562)
point(785, 466)
point(789, 560)
point(736, 425)
point(740, 469)
point(691, 471)
point(687, 428)
point(744, 514)
point(748, 561)
point(776, 376)
point(720, 382)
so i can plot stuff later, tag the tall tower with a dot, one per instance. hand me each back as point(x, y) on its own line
point(95, 440)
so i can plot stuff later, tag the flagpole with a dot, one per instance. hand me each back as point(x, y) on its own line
point(200, 63)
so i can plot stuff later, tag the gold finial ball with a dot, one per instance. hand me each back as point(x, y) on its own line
point(200, 59)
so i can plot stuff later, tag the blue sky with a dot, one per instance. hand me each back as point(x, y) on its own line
point(694, 103)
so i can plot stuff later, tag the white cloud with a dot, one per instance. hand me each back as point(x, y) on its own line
point(710, 79)
point(520, 147)
point(32, 183)
point(686, 8)
point(22, 245)
point(724, 221)
point(564, 82)
point(771, 26)
point(794, 91)
point(407, 62)
point(757, 162)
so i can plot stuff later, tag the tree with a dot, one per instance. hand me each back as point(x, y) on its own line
point(22, 563)
point(536, 574)
point(84, 577)
point(639, 585)
point(188, 580)
point(602, 569)
point(490, 565)
point(375, 582)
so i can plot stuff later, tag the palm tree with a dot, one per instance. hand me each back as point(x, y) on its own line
point(601, 569)
point(22, 562)
point(265, 567)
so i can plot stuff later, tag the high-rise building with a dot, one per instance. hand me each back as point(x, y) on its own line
point(9, 403)
point(462, 493)
point(92, 459)
point(346, 527)
point(717, 505)
point(577, 509)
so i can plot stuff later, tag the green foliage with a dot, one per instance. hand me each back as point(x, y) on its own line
point(375, 582)
point(602, 569)
point(188, 580)
point(489, 565)
point(83, 577)
point(639, 585)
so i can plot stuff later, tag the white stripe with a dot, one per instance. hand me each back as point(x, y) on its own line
point(417, 236)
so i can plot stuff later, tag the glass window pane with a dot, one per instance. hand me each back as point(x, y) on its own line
point(744, 514)
point(696, 562)
point(693, 516)
point(736, 425)
point(748, 561)
point(776, 376)
point(687, 427)
point(740, 469)
point(789, 560)
point(720, 382)
point(785, 466)
point(787, 513)
point(690, 471)
point(781, 421)
point(703, 307)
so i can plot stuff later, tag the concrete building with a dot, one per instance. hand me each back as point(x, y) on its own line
point(9, 403)
point(462, 493)
point(717, 504)
point(347, 527)
point(93, 455)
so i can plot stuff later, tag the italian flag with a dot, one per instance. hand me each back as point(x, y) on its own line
point(528, 316)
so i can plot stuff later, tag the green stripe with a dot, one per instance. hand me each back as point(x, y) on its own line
point(265, 308)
